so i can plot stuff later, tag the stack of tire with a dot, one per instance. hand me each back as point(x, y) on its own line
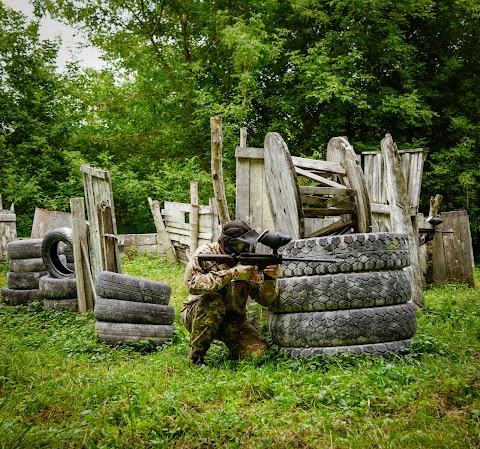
point(26, 267)
point(356, 305)
point(58, 287)
point(130, 309)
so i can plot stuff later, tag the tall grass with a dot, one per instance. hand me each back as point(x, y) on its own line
point(59, 388)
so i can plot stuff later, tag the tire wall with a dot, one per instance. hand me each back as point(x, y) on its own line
point(357, 304)
point(130, 309)
point(26, 267)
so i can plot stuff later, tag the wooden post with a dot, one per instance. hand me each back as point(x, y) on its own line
point(83, 274)
point(162, 231)
point(217, 173)
point(433, 212)
point(243, 137)
point(400, 212)
point(194, 224)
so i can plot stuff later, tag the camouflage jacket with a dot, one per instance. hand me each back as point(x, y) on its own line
point(214, 278)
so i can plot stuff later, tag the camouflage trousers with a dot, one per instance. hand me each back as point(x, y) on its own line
point(207, 319)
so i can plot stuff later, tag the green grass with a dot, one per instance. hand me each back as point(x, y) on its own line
point(59, 388)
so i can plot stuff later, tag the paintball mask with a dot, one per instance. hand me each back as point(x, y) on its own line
point(238, 237)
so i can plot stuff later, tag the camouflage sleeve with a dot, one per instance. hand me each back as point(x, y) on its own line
point(199, 282)
point(266, 293)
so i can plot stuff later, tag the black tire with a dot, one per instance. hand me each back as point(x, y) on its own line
point(344, 327)
point(118, 311)
point(378, 349)
point(26, 265)
point(20, 297)
point(112, 333)
point(342, 291)
point(61, 304)
point(54, 288)
point(25, 249)
point(51, 254)
point(129, 288)
point(28, 280)
point(358, 252)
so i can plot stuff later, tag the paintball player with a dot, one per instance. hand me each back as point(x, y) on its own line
point(216, 304)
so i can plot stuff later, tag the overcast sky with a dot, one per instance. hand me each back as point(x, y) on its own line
point(89, 57)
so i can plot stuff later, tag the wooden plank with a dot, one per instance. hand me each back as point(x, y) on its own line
point(83, 275)
point(458, 247)
point(308, 190)
point(161, 230)
point(283, 187)
point(363, 221)
point(242, 187)
point(338, 227)
point(313, 164)
point(380, 208)
point(172, 206)
point(249, 153)
point(318, 178)
point(194, 222)
point(7, 217)
point(326, 211)
point(400, 220)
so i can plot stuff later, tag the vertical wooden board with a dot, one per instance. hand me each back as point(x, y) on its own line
point(243, 188)
point(257, 194)
point(458, 247)
point(400, 220)
point(362, 202)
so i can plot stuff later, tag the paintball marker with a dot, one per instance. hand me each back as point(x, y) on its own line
point(273, 240)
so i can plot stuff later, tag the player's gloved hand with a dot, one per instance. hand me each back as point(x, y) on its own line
point(243, 272)
point(272, 271)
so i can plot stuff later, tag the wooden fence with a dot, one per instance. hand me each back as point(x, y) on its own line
point(177, 218)
point(8, 227)
point(375, 177)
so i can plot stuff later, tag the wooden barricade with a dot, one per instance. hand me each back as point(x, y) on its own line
point(412, 162)
point(103, 240)
point(178, 223)
point(453, 252)
point(8, 227)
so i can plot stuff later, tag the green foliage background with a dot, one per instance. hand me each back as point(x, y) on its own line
point(308, 70)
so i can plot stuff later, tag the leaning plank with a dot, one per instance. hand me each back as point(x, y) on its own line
point(318, 178)
point(161, 230)
point(338, 227)
point(357, 182)
point(313, 164)
point(399, 212)
point(83, 276)
point(309, 190)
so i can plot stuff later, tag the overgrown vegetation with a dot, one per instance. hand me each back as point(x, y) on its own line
point(59, 388)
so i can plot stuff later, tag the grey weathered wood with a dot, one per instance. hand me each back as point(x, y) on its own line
point(362, 201)
point(217, 170)
point(399, 212)
point(252, 198)
point(97, 185)
point(109, 239)
point(194, 220)
point(8, 227)
point(457, 247)
point(83, 275)
point(243, 137)
point(313, 164)
point(311, 190)
point(161, 230)
point(318, 178)
point(283, 187)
